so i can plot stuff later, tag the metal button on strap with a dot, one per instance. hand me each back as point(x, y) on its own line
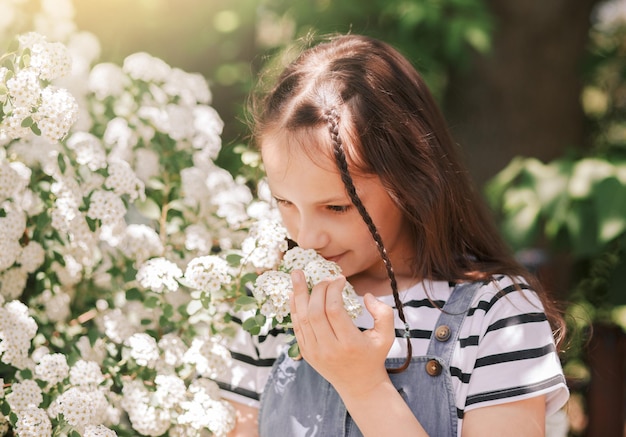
point(433, 368)
point(442, 333)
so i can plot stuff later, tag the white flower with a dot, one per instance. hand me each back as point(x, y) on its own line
point(265, 243)
point(13, 224)
point(198, 238)
point(24, 88)
point(145, 67)
point(88, 149)
point(159, 273)
point(271, 290)
point(209, 358)
point(57, 113)
point(12, 126)
point(32, 256)
point(17, 329)
point(146, 164)
point(12, 179)
point(56, 305)
point(107, 79)
point(98, 431)
point(190, 87)
point(23, 395)
point(206, 411)
point(95, 353)
point(33, 422)
point(207, 273)
point(123, 180)
point(141, 242)
point(13, 282)
point(81, 408)
point(321, 269)
point(144, 417)
point(52, 368)
point(116, 326)
point(170, 391)
point(173, 349)
point(298, 258)
point(50, 59)
point(86, 373)
point(143, 349)
point(106, 206)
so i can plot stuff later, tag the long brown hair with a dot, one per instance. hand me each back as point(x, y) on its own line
point(366, 92)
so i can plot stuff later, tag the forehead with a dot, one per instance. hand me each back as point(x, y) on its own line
point(283, 148)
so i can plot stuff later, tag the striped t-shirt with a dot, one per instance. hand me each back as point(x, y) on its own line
point(505, 350)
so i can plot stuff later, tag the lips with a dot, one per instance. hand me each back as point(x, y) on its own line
point(334, 258)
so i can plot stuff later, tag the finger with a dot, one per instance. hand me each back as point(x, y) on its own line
point(340, 322)
point(383, 319)
point(318, 312)
point(298, 305)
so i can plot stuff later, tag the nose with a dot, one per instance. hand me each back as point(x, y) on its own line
point(311, 234)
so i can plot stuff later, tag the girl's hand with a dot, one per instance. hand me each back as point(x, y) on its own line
point(353, 361)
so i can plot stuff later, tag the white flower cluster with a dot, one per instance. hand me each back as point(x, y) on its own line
point(265, 243)
point(125, 234)
point(27, 99)
point(17, 329)
point(272, 288)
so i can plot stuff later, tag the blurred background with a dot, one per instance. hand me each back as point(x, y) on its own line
point(535, 93)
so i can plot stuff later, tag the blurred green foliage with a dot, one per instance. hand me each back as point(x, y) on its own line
point(577, 204)
point(230, 41)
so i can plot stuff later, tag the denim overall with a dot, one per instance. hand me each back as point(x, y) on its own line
point(298, 402)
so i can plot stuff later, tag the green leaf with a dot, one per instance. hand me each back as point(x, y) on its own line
point(149, 208)
point(25, 59)
point(260, 319)
point(248, 277)
point(151, 302)
point(93, 335)
point(35, 129)
point(234, 259)
point(5, 408)
point(205, 300)
point(251, 326)
point(133, 294)
point(27, 122)
point(294, 351)
point(246, 302)
point(168, 311)
point(61, 162)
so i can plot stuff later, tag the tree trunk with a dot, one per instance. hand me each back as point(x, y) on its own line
point(524, 97)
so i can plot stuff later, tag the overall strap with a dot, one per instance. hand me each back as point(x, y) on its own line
point(446, 332)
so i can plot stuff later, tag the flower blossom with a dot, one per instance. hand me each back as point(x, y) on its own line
point(157, 274)
point(52, 368)
point(33, 422)
point(23, 395)
point(272, 288)
point(207, 273)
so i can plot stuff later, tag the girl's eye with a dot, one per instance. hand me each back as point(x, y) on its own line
point(338, 208)
point(282, 202)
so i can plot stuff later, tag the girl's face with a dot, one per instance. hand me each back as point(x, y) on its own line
point(318, 213)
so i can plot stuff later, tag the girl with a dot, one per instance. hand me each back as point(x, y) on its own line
point(457, 338)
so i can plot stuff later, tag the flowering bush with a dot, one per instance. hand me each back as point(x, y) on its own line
point(123, 246)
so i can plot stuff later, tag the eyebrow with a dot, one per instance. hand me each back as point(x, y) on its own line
point(330, 200)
